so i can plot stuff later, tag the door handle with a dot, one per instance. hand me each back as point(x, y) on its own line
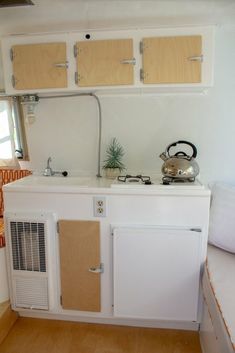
point(99, 269)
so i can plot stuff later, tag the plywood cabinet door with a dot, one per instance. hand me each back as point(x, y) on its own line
point(38, 66)
point(79, 244)
point(172, 59)
point(105, 62)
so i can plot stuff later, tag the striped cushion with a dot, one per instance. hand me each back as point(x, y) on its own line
point(2, 239)
point(7, 176)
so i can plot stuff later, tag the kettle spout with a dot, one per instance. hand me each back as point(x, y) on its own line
point(163, 156)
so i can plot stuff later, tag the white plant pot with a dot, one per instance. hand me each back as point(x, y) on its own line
point(112, 173)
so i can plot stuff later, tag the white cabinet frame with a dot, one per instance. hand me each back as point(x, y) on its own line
point(156, 272)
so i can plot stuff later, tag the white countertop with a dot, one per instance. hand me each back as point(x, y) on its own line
point(94, 185)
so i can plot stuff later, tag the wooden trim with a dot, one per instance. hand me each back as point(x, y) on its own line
point(7, 320)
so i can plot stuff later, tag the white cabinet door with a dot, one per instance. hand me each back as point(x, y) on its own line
point(156, 273)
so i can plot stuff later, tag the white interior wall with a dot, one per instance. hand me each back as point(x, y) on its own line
point(66, 129)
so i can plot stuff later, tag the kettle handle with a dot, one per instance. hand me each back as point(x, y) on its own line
point(194, 155)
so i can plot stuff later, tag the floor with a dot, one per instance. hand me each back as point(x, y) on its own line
point(47, 336)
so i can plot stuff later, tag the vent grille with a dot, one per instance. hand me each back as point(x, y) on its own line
point(31, 292)
point(28, 246)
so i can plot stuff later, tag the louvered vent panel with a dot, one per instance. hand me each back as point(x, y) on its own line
point(31, 292)
point(28, 246)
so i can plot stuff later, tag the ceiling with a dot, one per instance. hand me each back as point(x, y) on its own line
point(63, 15)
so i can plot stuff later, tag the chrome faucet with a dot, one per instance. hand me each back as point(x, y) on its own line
point(49, 172)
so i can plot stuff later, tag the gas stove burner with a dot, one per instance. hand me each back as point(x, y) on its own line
point(135, 179)
point(168, 180)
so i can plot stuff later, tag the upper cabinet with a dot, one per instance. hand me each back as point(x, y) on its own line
point(148, 60)
point(39, 66)
point(105, 62)
point(172, 59)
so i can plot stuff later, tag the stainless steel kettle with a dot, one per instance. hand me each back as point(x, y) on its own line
point(180, 165)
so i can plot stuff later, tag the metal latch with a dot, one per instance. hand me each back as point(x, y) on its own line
point(196, 58)
point(196, 230)
point(99, 269)
point(129, 61)
point(62, 64)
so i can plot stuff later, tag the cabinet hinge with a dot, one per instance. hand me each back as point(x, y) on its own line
point(11, 54)
point(75, 50)
point(141, 47)
point(57, 227)
point(61, 301)
point(142, 75)
point(76, 77)
point(196, 230)
point(13, 81)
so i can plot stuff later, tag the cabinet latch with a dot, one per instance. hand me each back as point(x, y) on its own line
point(62, 64)
point(99, 269)
point(196, 58)
point(196, 230)
point(129, 61)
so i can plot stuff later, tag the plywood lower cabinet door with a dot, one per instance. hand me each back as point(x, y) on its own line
point(79, 244)
point(156, 273)
point(172, 59)
point(105, 62)
point(38, 66)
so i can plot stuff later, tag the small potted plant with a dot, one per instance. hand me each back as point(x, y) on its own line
point(113, 163)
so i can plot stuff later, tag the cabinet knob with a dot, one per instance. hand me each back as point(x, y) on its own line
point(129, 61)
point(99, 269)
point(63, 64)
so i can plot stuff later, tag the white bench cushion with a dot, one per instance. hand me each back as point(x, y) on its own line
point(222, 217)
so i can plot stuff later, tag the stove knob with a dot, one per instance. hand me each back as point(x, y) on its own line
point(165, 182)
point(148, 182)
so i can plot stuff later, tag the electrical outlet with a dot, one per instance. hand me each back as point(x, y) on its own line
point(99, 205)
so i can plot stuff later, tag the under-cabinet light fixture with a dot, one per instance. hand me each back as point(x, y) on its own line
point(29, 101)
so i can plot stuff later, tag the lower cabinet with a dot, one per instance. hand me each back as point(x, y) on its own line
point(156, 273)
point(79, 246)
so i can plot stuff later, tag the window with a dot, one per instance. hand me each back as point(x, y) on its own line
point(12, 141)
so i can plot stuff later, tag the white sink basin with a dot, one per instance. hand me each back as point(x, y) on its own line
point(54, 181)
